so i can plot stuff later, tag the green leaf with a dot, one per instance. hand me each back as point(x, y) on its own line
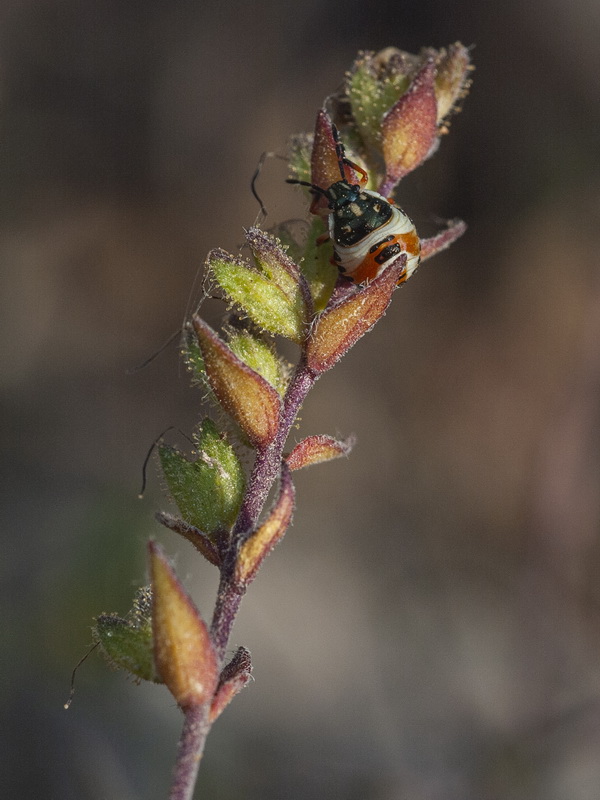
point(209, 490)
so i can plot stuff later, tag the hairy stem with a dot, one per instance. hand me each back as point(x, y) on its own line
point(191, 746)
point(266, 469)
point(268, 460)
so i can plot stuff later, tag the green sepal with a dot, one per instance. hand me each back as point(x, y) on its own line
point(300, 149)
point(260, 356)
point(272, 260)
point(208, 491)
point(321, 275)
point(267, 304)
point(372, 91)
point(192, 356)
point(127, 642)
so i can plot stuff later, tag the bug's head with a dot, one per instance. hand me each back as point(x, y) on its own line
point(342, 193)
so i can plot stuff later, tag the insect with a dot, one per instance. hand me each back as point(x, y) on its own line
point(366, 229)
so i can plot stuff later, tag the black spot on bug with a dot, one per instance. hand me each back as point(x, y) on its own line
point(375, 247)
point(387, 253)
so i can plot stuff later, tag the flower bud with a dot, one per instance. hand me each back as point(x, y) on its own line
point(183, 651)
point(325, 166)
point(252, 402)
point(234, 676)
point(409, 129)
point(340, 327)
point(260, 543)
point(316, 449)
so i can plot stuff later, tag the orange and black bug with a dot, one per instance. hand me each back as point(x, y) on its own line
point(366, 229)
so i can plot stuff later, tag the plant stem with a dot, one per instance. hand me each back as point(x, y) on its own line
point(267, 466)
point(265, 471)
point(189, 752)
point(268, 460)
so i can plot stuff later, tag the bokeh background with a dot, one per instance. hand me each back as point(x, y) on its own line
point(430, 628)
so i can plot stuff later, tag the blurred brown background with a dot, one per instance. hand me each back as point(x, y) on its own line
point(430, 628)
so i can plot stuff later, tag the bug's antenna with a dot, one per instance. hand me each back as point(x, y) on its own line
point(316, 189)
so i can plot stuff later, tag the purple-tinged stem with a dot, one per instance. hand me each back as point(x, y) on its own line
point(228, 602)
point(189, 752)
point(267, 466)
point(268, 460)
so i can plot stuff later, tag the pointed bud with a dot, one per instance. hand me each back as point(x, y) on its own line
point(208, 491)
point(452, 81)
point(252, 402)
point(316, 449)
point(430, 247)
point(341, 326)
point(325, 167)
point(409, 129)
point(183, 651)
point(203, 544)
point(275, 307)
point(260, 543)
point(127, 643)
point(234, 676)
point(260, 356)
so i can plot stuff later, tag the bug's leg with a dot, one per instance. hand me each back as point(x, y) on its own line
point(342, 160)
point(442, 240)
point(314, 206)
point(364, 178)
